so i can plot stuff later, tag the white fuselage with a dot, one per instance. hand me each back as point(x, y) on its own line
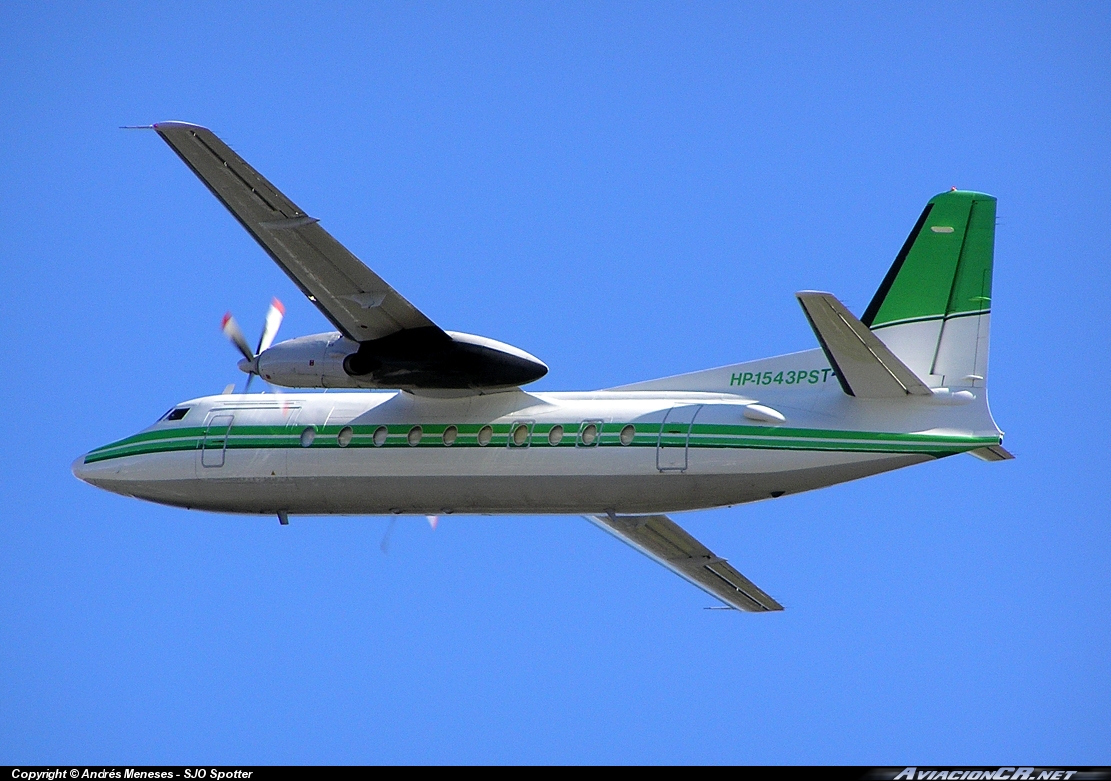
point(395, 452)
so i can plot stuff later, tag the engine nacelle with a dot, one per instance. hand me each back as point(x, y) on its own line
point(410, 360)
point(306, 362)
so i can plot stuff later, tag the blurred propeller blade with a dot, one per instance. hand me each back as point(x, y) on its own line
point(270, 328)
point(234, 333)
point(385, 544)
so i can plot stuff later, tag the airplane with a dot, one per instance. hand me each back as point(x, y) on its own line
point(435, 422)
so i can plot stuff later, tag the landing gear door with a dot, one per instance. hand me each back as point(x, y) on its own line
point(674, 440)
point(214, 444)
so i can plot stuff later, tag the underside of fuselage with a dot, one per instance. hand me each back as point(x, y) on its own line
point(661, 492)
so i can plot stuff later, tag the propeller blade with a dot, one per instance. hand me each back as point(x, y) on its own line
point(433, 521)
point(247, 385)
point(234, 333)
point(385, 544)
point(273, 322)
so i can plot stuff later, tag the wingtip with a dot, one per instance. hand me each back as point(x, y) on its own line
point(158, 127)
point(175, 123)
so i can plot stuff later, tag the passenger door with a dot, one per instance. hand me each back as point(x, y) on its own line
point(215, 442)
point(674, 440)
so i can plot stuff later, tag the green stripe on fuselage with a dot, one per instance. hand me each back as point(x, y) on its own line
point(647, 435)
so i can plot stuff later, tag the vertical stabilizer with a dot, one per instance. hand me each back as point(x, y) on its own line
point(933, 309)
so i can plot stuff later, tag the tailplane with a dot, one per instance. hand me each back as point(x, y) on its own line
point(863, 364)
point(925, 332)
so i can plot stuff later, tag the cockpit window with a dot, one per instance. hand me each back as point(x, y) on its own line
point(177, 413)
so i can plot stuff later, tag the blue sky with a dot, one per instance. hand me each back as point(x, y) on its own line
point(626, 191)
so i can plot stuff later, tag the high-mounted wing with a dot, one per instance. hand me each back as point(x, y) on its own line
point(660, 538)
point(355, 299)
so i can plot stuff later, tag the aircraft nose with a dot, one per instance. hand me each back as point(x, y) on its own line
point(78, 468)
point(96, 473)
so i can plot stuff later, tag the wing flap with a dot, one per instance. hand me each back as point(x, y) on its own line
point(864, 365)
point(355, 299)
point(661, 539)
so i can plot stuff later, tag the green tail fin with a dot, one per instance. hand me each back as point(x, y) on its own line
point(944, 268)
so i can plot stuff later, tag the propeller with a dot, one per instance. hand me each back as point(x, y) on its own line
point(270, 327)
point(385, 544)
point(433, 521)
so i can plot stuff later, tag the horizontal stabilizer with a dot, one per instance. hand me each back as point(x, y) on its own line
point(660, 538)
point(992, 453)
point(864, 365)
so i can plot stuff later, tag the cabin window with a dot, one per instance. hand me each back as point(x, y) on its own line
point(555, 436)
point(343, 438)
point(520, 435)
point(307, 436)
point(177, 413)
point(451, 433)
point(485, 434)
point(588, 433)
point(627, 434)
point(415, 433)
point(380, 435)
